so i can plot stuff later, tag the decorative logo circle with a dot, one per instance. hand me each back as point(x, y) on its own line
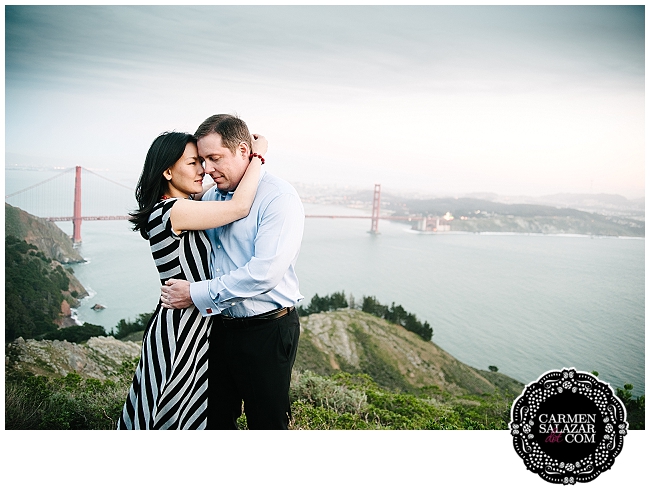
point(568, 426)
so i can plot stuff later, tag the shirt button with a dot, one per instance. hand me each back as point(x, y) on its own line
point(218, 270)
point(232, 304)
point(218, 247)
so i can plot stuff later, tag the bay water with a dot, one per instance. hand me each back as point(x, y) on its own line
point(523, 303)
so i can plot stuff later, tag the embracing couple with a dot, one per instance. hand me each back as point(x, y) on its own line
point(225, 331)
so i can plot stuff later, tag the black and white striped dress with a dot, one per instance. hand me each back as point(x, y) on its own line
point(170, 386)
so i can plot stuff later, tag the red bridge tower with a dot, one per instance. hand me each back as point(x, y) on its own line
point(374, 226)
point(76, 215)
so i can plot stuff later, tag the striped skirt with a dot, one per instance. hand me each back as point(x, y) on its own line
point(170, 386)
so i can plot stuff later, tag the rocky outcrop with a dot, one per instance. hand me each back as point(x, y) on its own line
point(46, 236)
point(100, 357)
point(65, 308)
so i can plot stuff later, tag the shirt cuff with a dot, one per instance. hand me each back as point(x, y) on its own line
point(200, 294)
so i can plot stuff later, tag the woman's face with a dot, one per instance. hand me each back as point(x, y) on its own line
point(185, 177)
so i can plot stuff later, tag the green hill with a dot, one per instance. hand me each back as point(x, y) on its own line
point(352, 341)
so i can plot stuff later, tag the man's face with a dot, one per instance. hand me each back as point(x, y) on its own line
point(225, 167)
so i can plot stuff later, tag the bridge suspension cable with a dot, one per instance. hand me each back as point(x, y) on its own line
point(109, 180)
point(68, 170)
point(51, 198)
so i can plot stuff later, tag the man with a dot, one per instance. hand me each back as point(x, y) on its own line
point(254, 287)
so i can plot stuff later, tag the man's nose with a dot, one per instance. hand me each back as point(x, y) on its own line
point(208, 168)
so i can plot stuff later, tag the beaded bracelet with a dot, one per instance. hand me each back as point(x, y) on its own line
point(258, 156)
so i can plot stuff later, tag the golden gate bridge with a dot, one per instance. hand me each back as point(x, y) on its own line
point(33, 197)
point(55, 190)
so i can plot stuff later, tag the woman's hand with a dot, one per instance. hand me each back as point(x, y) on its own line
point(259, 144)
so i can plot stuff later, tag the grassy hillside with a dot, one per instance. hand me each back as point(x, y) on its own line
point(353, 371)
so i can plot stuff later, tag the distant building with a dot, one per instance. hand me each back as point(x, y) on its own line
point(434, 224)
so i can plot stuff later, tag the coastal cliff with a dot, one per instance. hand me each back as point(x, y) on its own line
point(46, 236)
point(40, 287)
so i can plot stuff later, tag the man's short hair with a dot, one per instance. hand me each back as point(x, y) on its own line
point(231, 128)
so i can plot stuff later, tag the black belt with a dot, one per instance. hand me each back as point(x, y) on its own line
point(231, 322)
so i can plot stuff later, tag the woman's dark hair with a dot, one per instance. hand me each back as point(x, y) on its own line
point(166, 150)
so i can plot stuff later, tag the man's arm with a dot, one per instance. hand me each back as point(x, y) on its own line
point(276, 245)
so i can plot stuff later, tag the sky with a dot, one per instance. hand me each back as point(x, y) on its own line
point(443, 100)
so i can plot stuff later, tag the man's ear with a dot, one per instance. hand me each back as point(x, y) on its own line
point(244, 150)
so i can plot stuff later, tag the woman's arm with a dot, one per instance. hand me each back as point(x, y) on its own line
point(201, 215)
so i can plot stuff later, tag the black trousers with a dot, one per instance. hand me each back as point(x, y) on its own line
point(251, 364)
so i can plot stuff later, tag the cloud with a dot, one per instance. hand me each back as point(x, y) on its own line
point(481, 89)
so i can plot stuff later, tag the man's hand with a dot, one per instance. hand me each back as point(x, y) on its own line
point(176, 294)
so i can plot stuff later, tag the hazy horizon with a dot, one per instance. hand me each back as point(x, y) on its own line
point(511, 100)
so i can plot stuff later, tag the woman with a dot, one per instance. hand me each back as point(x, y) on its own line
point(169, 389)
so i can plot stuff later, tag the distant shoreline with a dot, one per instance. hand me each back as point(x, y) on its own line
point(532, 234)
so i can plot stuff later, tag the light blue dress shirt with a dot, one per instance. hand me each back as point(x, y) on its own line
point(253, 259)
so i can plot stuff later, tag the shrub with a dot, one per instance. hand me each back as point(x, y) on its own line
point(398, 315)
point(327, 303)
point(634, 406)
point(75, 333)
point(68, 403)
point(127, 327)
point(316, 390)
